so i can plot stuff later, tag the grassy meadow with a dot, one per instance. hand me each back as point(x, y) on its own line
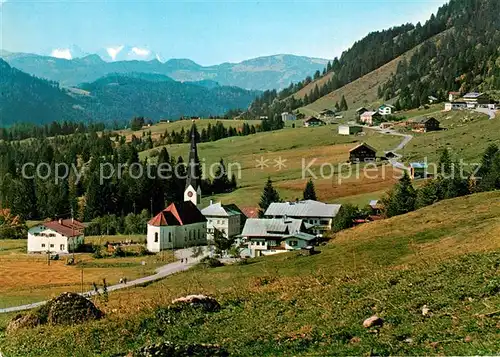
point(444, 256)
point(29, 278)
point(321, 145)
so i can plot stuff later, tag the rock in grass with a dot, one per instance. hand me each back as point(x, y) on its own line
point(206, 303)
point(20, 321)
point(425, 310)
point(68, 309)
point(373, 321)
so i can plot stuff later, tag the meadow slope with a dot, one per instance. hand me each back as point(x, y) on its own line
point(445, 256)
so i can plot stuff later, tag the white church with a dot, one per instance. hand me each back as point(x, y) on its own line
point(181, 225)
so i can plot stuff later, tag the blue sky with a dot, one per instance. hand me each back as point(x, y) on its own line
point(208, 32)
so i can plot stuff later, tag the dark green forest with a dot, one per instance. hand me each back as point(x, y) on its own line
point(465, 57)
point(111, 99)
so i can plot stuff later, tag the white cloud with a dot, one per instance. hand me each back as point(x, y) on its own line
point(113, 51)
point(141, 51)
point(61, 53)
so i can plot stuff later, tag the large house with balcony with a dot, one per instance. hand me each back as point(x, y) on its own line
point(61, 236)
point(317, 214)
point(268, 236)
point(227, 219)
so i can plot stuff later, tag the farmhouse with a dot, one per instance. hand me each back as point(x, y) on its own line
point(60, 236)
point(349, 129)
point(370, 117)
point(269, 236)
point(227, 219)
point(313, 121)
point(360, 111)
point(362, 153)
point(326, 113)
point(179, 225)
point(424, 124)
point(473, 99)
point(285, 116)
point(455, 106)
point(386, 109)
point(318, 214)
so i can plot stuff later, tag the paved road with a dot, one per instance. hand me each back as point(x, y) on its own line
point(161, 272)
point(489, 112)
point(406, 139)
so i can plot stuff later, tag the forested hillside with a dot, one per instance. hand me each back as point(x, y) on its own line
point(121, 96)
point(115, 98)
point(466, 57)
point(24, 98)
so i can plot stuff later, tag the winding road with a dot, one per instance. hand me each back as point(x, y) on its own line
point(160, 273)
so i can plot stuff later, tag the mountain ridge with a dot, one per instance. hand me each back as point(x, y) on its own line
point(274, 71)
point(116, 97)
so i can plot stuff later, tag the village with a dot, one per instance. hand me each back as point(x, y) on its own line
point(284, 226)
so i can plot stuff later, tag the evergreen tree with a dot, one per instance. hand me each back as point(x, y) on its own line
point(401, 199)
point(345, 217)
point(269, 195)
point(343, 104)
point(309, 191)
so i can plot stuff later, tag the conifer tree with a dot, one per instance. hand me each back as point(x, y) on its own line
point(309, 191)
point(269, 195)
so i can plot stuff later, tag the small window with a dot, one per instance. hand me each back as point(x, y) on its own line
point(156, 237)
point(43, 245)
point(61, 247)
point(169, 236)
point(52, 245)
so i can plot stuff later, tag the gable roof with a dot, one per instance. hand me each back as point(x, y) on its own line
point(422, 120)
point(271, 227)
point(386, 106)
point(65, 227)
point(220, 210)
point(327, 111)
point(301, 236)
point(365, 145)
point(314, 119)
point(370, 113)
point(473, 95)
point(178, 214)
point(307, 208)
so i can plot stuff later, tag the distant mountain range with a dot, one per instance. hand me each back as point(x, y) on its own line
point(114, 97)
point(271, 72)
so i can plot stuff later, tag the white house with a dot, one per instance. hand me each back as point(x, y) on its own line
point(318, 214)
point(455, 106)
point(385, 109)
point(179, 225)
point(61, 237)
point(349, 129)
point(285, 116)
point(268, 236)
point(227, 219)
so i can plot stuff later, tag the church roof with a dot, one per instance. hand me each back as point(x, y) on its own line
point(178, 214)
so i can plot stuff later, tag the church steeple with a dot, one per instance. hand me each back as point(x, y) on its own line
point(193, 190)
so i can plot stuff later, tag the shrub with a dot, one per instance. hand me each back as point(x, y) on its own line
point(209, 262)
